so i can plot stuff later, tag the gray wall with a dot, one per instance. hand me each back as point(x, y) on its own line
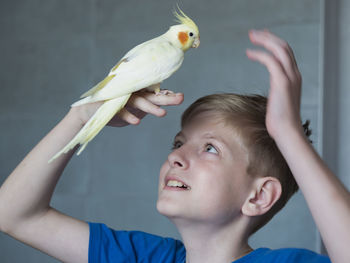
point(54, 50)
point(343, 127)
point(336, 93)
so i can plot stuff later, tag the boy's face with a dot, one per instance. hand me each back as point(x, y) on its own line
point(204, 178)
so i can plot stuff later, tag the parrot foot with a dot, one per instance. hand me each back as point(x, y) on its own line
point(164, 92)
point(156, 89)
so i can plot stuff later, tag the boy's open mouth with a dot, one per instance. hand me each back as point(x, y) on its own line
point(177, 184)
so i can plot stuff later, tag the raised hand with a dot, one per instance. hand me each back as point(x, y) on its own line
point(283, 109)
point(326, 196)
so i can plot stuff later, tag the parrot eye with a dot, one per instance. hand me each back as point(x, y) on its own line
point(191, 34)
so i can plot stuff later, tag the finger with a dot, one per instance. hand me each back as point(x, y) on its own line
point(127, 116)
point(145, 105)
point(278, 47)
point(169, 99)
point(295, 76)
point(277, 73)
point(137, 112)
point(271, 42)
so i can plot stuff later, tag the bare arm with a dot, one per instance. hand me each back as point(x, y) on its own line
point(25, 211)
point(25, 196)
point(326, 196)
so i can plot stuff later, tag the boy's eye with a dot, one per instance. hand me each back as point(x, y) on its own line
point(176, 145)
point(210, 148)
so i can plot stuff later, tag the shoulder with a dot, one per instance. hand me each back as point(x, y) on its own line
point(109, 245)
point(284, 255)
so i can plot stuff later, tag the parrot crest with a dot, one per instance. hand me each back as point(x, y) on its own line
point(183, 19)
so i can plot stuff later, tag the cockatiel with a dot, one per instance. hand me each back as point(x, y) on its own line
point(144, 66)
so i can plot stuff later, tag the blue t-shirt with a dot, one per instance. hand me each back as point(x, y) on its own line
point(108, 245)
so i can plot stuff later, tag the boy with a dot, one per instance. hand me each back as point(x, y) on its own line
point(213, 186)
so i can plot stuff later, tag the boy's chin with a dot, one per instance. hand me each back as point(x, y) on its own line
point(162, 208)
point(167, 210)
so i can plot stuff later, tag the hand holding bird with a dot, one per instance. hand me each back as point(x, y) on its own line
point(138, 106)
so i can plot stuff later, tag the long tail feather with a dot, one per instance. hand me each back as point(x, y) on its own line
point(101, 117)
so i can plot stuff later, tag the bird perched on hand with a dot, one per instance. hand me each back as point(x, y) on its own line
point(144, 66)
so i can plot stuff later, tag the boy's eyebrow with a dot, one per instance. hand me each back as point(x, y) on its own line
point(217, 138)
point(225, 142)
point(179, 134)
point(207, 136)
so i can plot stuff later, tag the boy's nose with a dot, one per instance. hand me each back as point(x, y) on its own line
point(177, 159)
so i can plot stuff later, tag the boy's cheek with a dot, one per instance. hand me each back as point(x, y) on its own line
point(162, 173)
point(163, 169)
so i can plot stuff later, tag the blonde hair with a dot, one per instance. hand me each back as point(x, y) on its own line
point(246, 114)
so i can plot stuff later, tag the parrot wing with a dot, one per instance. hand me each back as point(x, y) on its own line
point(146, 64)
point(103, 83)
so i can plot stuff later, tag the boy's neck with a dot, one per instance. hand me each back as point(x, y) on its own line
point(210, 243)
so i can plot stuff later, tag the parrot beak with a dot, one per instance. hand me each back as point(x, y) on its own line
point(196, 43)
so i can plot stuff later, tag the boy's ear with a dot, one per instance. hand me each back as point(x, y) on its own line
point(266, 192)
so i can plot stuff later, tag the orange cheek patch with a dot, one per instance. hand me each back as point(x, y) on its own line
point(183, 37)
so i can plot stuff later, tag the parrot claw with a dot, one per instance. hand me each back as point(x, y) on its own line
point(164, 92)
point(156, 89)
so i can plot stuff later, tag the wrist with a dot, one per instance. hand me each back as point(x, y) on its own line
point(286, 137)
point(83, 113)
point(74, 117)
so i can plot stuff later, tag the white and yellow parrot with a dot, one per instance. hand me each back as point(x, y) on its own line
point(144, 66)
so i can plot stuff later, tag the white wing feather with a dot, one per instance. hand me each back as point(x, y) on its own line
point(146, 64)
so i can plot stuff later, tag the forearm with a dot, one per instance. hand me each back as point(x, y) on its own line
point(327, 198)
point(28, 190)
